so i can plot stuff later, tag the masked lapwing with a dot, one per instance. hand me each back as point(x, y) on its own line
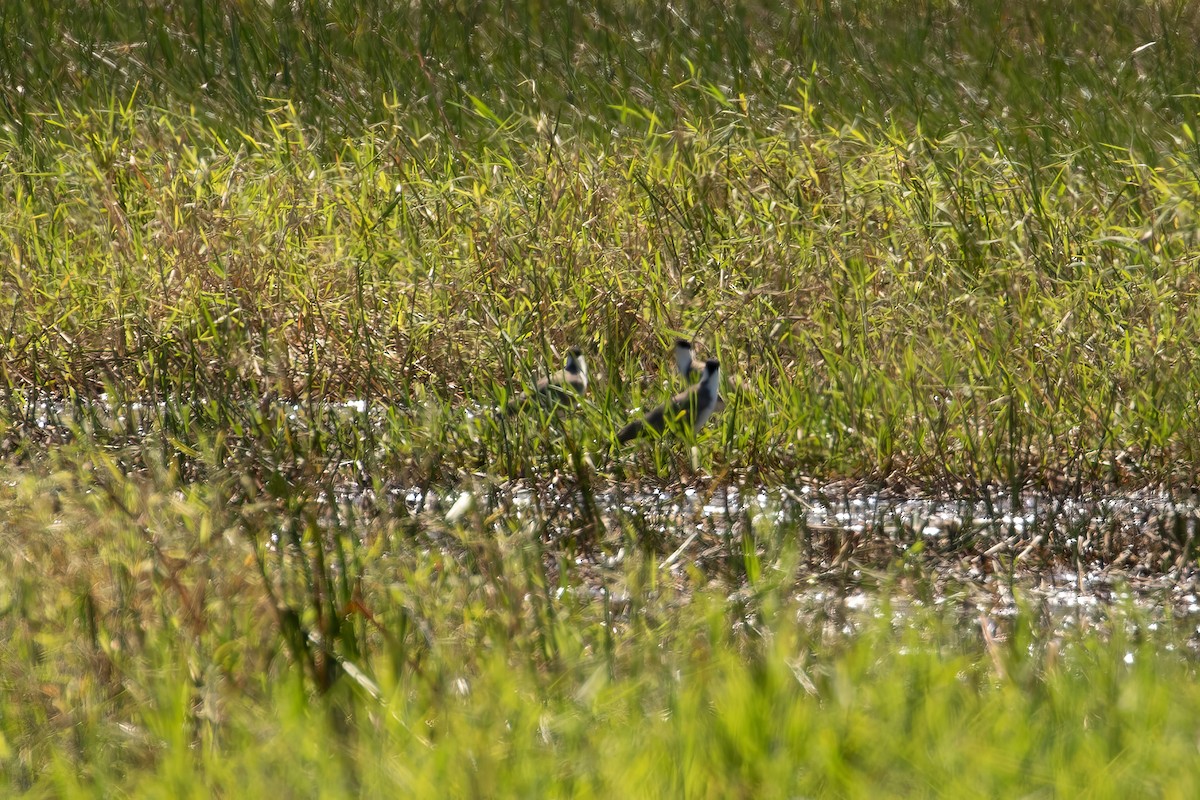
point(564, 386)
point(691, 368)
point(690, 408)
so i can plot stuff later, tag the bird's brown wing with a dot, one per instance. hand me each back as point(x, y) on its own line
point(632, 430)
point(555, 389)
point(681, 405)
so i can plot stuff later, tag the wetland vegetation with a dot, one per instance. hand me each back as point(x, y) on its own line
point(268, 270)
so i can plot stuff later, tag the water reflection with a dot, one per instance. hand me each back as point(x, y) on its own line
point(1074, 555)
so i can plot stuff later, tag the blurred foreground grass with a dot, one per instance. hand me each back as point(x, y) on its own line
point(144, 654)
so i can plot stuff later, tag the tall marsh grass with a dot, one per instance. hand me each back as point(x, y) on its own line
point(926, 312)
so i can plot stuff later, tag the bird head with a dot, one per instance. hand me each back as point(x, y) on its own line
point(683, 357)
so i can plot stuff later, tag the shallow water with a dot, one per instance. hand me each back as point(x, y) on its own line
point(1073, 556)
point(1071, 559)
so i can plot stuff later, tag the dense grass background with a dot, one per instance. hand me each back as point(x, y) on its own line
point(939, 247)
point(946, 245)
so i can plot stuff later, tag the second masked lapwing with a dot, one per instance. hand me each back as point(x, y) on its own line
point(690, 408)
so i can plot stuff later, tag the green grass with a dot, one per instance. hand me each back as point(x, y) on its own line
point(930, 302)
point(940, 248)
point(890, 314)
point(144, 656)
